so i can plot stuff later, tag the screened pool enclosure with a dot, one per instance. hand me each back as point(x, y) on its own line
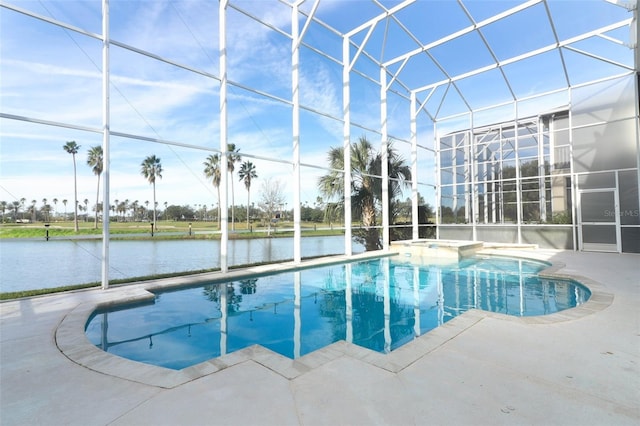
point(499, 121)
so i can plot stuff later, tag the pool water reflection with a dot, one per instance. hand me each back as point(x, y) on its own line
point(379, 304)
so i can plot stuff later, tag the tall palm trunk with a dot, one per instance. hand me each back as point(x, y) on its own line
point(95, 226)
point(155, 222)
point(233, 203)
point(219, 209)
point(371, 237)
point(75, 195)
point(248, 203)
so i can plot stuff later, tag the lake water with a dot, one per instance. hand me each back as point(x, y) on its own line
point(34, 264)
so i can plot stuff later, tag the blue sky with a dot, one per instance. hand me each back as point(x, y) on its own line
point(48, 73)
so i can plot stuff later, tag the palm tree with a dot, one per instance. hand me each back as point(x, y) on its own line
point(232, 158)
point(55, 205)
point(3, 208)
point(121, 207)
point(44, 210)
point(33, 210)
point(47, 211)
point(72, 148)
point(16, 208)
point(212, 171)
point(246, 173)
point(366, 189)
point(125, 207)
point(95, 160)
point(151, 168)
point(134, 209)
point(22, 201)
point(399, 176)
point(65, 208)
point(86, 208)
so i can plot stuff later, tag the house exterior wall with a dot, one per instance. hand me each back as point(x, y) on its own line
point(562, 179)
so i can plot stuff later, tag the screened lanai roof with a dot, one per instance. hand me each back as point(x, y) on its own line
point(457, 55)
point(470, 54)
point(164, 74)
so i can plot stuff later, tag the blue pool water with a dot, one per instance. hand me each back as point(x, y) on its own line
point(380, 304)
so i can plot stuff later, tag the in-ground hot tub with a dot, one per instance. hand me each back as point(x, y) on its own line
point(438, 250)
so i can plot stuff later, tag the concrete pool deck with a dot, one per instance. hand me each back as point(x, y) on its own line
point(580, 366)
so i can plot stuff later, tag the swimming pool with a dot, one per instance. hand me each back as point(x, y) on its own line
point(380, 304)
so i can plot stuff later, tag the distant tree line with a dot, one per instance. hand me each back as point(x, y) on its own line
point(366, 195)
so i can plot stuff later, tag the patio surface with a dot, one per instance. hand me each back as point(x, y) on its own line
point(577, 367)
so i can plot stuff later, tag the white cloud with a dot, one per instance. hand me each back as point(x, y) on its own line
point(319, 91)
point(22, 67)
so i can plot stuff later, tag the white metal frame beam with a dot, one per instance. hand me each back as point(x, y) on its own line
point(488, 46)
point(464, 31)
point(374, 21)
point(557, 39)
point(545, 49)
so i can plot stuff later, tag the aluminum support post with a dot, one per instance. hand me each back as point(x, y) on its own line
point(437, 154)
point(384, 147)
point(106, 164)
point(516, 144)
point(224, 175)
point(346, 144)
point(295, 125)
point(415, 230)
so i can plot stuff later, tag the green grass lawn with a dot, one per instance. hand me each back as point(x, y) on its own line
point(165, 230)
